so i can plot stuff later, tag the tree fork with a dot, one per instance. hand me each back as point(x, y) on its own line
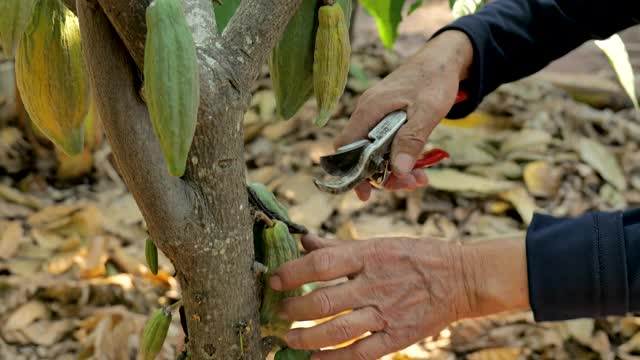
point(202, 221)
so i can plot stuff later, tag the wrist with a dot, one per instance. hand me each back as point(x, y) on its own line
point(455, 52)
point(496, 274)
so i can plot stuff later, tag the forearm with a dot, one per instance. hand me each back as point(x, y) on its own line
point(496, 276)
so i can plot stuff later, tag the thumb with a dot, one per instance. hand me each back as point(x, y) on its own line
point(409, 142)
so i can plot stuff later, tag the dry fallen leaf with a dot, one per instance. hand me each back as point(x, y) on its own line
point(522, 201)
point(603, 161)
point(504, 353)
point(11, 236)
point(24, 316)
point(455, 181)
point(542, 179)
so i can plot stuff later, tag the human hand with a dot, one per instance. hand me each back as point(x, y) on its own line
point(426, 87)
point(400, 289)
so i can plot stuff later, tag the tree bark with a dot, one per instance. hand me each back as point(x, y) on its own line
point(201, 221)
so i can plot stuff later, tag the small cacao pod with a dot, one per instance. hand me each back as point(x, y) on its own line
point(293, 354)
point(51, 75)
point(13, 22)
point(151, 254)
point(331, 60)
point(278, 247)
point(154, 333)
point(171, 81)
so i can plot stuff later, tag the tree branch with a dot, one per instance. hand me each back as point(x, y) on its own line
point(128, 18)
point(251, 34)
point(127, 125)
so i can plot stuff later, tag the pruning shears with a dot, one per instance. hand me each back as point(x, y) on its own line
point(368, 159)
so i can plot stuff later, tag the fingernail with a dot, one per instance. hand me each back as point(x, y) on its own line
point(403, 164)
point(275, 282)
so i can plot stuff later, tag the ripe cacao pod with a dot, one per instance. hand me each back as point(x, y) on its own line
point(151, 254)
point(154, 334)
point(278, 246)
point(171, 81)
point(13, 22)
point(331, 60)
point(51, 75)
point(291, 61)
point(293, 354)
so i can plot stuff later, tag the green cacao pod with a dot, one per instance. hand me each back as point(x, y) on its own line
point(269, 200)
point(331, 60)
point(171, 81)
point(51, 76)
point(151, 254)
point(279, 246)
point(291, 61)
point(293, 354)
point(13, 22)
point(154, 334)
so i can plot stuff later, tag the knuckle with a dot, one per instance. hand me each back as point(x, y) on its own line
point(322, 262)
point(341, 330)
point(413, 139)
point(324, 303)
point(379, 322)
point(390, 342)
point(360, 354)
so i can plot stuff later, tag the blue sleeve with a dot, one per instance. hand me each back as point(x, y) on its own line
point(513, 39)
point(587, 266)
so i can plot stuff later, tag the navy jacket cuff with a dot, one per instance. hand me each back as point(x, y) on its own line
point(577, 267)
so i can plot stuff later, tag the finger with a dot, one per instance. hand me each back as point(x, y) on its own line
point(371, 347)
point(410, 140)
point(336, 331)
point(369, 111)
point(312, 242)
point(420, 176)
point(363, 191)
point(321, 265)
point(322, 302)
point(405, 183)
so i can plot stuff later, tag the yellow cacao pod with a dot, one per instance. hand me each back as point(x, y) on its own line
point(331, 60)
point(51, 76)
point(154, 333)
point(13, 22)
point(171, 81)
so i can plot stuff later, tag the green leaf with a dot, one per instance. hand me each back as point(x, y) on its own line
point(461, 8)
point(387, 14)
point(225, 12)
point(615, 50)
point(415, 6)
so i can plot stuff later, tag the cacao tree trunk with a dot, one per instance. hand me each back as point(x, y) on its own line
point(200, 221)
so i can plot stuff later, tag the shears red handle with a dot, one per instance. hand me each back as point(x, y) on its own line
point(434, 156)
